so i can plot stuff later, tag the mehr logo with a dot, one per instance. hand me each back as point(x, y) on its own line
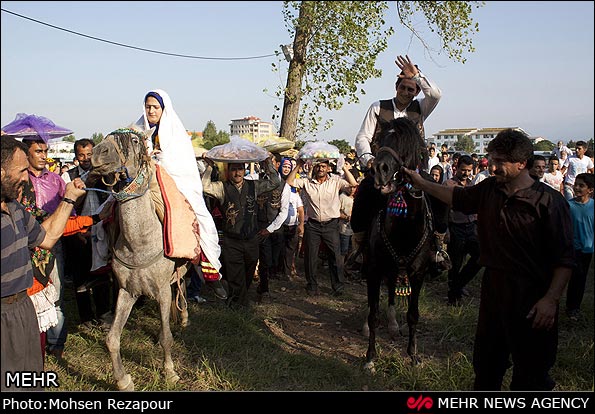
point(420, 403)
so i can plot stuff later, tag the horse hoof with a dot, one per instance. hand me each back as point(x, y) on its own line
point(126, 384)
point(172, 378)
point(369, 368)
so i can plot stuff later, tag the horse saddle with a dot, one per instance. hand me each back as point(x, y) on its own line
point(181, 236)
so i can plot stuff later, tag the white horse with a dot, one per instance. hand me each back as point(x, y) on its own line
point(138, 256)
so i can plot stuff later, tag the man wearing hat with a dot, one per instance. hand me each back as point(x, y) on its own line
point(237, 198)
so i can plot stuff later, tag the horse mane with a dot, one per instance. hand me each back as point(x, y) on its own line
point(402, 135)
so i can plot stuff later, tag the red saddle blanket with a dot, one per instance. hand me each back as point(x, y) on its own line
point(181, 236)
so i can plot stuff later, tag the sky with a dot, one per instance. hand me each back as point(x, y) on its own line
point(532, 67)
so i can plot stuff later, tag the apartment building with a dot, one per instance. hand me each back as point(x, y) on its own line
point(252, 126)
point(480, 136)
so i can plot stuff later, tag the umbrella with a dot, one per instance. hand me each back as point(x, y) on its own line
point(31, 126)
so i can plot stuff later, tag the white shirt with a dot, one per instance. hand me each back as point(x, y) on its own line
point(433, 161)
point(558, 150)
point(282, 215)
point(432, 95)
point(295, 202)
point(554, 179)
point(575, 166)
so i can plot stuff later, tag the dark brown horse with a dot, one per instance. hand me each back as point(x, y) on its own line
point(401, 235)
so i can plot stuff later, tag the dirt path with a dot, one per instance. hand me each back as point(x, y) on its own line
point(321, 325)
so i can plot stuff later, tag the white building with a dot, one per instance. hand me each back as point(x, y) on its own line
point(63, 150)
point(481, 137)
point(252, 126)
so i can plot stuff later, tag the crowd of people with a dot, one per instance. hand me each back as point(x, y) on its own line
point(253, 227)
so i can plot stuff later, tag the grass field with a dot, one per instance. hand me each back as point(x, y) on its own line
point(294, 344)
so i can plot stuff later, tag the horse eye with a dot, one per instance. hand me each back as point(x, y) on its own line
point(135, 140)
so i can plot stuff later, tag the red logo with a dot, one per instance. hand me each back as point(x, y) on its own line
point(420, 403)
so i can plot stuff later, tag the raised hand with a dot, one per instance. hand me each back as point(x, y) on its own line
point(408, 69)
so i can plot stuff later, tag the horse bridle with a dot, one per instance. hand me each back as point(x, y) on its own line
point(397, 158)
point(138, 185)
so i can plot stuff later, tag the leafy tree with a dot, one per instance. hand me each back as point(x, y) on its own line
point(212, 138)
point(336, 44)
point(544, 145)
point(69, 138)
point(571, 144)
point(342, 145)
point(97, 137)
point(222, 137)
point(465, 143)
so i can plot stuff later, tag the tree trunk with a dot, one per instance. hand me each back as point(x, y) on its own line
point(295, 75)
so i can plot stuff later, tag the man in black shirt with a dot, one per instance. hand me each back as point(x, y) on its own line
point(526, 246)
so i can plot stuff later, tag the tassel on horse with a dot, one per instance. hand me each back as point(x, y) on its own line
point(397, 206)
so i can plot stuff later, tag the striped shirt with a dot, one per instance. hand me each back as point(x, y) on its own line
point(20, 232)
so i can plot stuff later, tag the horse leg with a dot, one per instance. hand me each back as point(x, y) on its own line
point(366, 328)
point(391, 313)
point(413, 316)
point(166, 338)
point(373, 304)
point(123, 307)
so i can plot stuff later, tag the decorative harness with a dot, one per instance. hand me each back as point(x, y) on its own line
point(397, 207)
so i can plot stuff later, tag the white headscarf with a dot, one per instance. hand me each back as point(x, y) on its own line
point(177, 157)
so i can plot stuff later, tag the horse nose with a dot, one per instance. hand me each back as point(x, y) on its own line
point(380, 167)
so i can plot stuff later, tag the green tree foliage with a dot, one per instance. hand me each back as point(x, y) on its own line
point(211, 137)
point(97, 137)
point(544, 145)
point(336, 44)
point(342, 145)
point(465, 144)
point(69, 138)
